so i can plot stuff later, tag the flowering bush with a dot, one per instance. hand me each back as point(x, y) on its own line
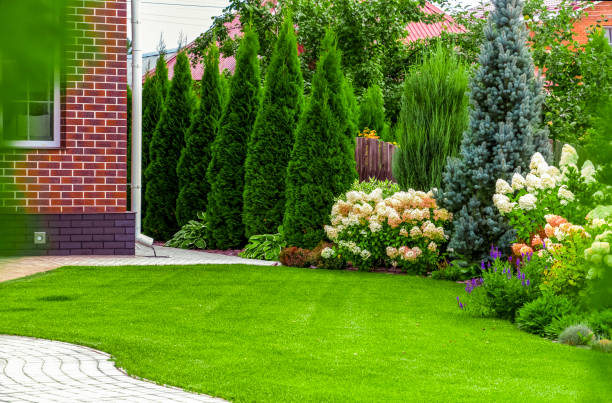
point(404, 230)
point(546, 190)
point(369, 134)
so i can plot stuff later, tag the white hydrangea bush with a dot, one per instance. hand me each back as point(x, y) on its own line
point(405, 230)
point(546, 190)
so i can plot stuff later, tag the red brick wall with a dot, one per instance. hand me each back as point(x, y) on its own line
point(596, 15)
point(88, 173)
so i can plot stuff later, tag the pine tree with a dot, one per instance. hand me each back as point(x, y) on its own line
point(196, 154)
point(154, 91)
point(372, 110)
point(273, 137)
point(165, 150)
point(503, 132)
point(226, 169)
point(322, 164)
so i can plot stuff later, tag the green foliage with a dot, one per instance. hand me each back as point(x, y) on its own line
point(165, 150)
point(322, 164)
point(270, 145)
point(502, 136)
point(192, 235)
point(576, 335)
point(196, 154)
point(534, 316)
point(601, 323)
point(372, 110)
point(603, 345)
point(388, 188)
point(432, 120)
point(455, 270)
point(154, 90)
point(226, 169)
point(599, 147)
point(558, 325)
point(265, 247)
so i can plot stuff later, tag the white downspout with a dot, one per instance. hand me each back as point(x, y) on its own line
point(136, 185)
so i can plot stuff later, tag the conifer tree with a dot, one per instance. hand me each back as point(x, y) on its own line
point(165, 150)
point(226, 169)
point(273, 136)
point(372, 110)
point(196, 154)
point(504, 131)
point(154, 90)
point(322, 164)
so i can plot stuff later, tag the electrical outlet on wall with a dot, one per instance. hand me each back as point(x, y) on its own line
point(40, 238)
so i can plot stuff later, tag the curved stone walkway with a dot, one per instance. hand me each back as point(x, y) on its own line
point(37, 370)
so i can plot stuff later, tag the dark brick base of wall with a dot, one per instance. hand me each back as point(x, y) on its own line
point(68, 234)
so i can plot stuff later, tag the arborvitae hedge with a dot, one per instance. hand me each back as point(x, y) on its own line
point(504, 131)
point(226, 169)
point(273, 136)
point(153, 94)
point(372, 110)
point(196, 155)
point(165, 150)
point(322, 164)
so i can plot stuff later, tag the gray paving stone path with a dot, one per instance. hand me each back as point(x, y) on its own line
point(36, 370)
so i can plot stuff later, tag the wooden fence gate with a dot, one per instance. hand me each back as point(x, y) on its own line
point(374, 158)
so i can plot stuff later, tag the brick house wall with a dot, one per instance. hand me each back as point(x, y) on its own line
point(82, 183)
point(596, 15)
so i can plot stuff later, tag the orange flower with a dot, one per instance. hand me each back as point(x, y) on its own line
point(536, 241)
point(517, 247)
point(555, 220)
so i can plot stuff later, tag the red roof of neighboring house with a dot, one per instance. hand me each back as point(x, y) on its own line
point(414, 30)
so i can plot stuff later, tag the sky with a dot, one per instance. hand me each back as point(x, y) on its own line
point(191, 17)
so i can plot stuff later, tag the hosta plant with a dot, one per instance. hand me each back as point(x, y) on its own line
point(405, 230)
point(191, 235)
point(265, 247)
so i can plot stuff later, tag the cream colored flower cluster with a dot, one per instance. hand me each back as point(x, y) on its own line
point(404, 253)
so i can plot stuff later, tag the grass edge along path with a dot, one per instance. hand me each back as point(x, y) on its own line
point(248, 333)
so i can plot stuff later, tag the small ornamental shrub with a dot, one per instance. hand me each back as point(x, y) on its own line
point(324, 257)
point(504, 131)
point(295, 257)
point(191, 235)
point(534, 316)
point(601, 323)
point(264, 247)
point(388, 188)
point(603, 345)
point(576, 335)
point(455, 270)
point(405, 230)
point(558, 325)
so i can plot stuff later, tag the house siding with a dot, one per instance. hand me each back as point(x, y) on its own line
point(87, 173)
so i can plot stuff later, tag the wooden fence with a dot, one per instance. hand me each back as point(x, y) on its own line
point(374, 159)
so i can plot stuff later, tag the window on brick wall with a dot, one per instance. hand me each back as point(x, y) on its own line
point(31, 117)
point(608, 32)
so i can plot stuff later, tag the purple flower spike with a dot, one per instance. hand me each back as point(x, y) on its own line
point(543, 244)
point(527, 282)
point(460, 305)
point(523, 283)
point(509, 258)
point(482, 265)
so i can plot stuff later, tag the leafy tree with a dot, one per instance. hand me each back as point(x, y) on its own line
point(432, 120)
point(154, 90)
point(322, 164)
point(196, 154)
point(165, 151)
point(273, 136)
point(502, 135)
point(372, 110)
point(226, 169)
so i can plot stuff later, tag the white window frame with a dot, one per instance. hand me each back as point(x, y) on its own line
point(608, 33)
point(56, 116)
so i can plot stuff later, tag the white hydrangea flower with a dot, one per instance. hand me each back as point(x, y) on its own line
point(327, 253)
point(553, 172)
point(527, 202)
point(536, 161)
point(533, 182)
point(375, 226)
point(332, 232)
point(518, 182)
point(569, 156)
point(365, 254)
point(599, 195)
point(588, 172)
point(502, 202)
point(375, 195)
point(548, 182)
point(432, 246)
point(354, 196)
point(565, 194)
point(501, 186)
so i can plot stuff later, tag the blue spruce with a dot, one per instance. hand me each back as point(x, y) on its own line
point(504, 131)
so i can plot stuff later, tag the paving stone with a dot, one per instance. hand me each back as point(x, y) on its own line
point(36, 370)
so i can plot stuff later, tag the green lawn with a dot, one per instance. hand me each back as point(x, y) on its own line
point(276, 334)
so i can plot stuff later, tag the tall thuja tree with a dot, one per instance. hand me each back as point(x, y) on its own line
point(503, 132)
point(154, 91)
point(372, 110)
point(273, 136)
point(196, 155)
point(226, 169)
point(322, 164)
point(165, 151)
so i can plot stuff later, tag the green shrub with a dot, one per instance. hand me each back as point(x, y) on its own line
point(388, 188)
point(372, 110)
point(576, 335)
point(264, 247)
point(295, 257)
point(191, 235)
point(534, 316)
point(601, 323)
point(324, 257)
point(432, 120)
point(558, 325)
point(270, 145)
point(455, 270)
